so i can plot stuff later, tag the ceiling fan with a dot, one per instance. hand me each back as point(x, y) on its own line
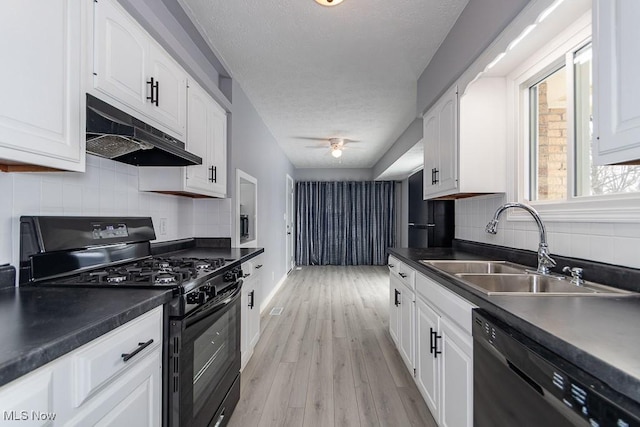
point(336, 145)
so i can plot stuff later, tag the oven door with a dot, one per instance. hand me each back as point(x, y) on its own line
point(204, 365)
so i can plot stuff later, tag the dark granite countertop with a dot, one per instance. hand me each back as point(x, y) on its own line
point(600, 335)
point(42, 324)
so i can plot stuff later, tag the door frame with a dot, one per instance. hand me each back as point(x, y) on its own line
point(289, 262)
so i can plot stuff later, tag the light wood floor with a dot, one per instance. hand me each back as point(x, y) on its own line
point(329, 360)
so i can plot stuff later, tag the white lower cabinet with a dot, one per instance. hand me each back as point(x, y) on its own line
point(407, 320)
point(250, 311)
point(444, 356)
point(402, 310)
point(432, 330)
point(94, 385)
point(427, 365)
point(456, 380)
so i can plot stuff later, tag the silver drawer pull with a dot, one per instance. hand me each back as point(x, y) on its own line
point(404, 276)
point(141, 346)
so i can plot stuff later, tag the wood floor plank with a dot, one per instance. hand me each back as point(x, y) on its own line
point(319, 410)
point(298, 397)
point(345, 402)
point(366, 405)
point(416, 408)
point(294, 418)
point(401, 376)
point(275, 408)
point(296, 336)
point(389, 407)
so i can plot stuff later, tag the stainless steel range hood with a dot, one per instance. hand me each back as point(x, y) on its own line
point(116, 135)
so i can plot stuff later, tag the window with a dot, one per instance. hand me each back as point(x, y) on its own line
point(560, 135)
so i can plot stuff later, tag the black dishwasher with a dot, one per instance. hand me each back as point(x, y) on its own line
point(516, 382)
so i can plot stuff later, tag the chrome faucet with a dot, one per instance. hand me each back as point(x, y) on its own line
point(545, 262)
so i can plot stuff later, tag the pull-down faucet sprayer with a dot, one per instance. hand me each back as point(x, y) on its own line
point(545, 262)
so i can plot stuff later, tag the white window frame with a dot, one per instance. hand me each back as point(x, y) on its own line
point(603, 208)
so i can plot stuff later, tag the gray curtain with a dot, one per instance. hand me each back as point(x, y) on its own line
point(344, 223)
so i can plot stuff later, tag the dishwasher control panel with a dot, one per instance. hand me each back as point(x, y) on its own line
point(580, 400)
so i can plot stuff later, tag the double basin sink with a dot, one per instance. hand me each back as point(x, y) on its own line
point(505, 278)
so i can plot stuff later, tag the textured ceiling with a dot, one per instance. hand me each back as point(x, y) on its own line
point(311, 71)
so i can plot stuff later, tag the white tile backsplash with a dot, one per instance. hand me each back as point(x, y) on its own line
point(107, 188)
point(612, 243)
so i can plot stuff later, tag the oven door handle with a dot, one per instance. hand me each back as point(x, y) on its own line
point(207, 310)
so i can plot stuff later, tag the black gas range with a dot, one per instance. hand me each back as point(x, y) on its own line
point(202, 379)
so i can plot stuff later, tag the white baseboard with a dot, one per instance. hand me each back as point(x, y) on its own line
point(267, 300)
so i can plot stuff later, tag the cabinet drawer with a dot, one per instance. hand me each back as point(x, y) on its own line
point(102, 360)
point(445, 302)
point(403, 272)
point(393, 264)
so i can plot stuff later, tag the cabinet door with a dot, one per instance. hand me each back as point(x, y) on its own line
point(43, 100)
point(30, 393)
point(134, 399)
point(616, 81)
point(448, 142)
point(431, 153)
point(171, 91)
point(218, 149)
point(120, 56)
point(457, 376)
point(254, 302)
point(407, 330)
point(395, 292)
point(427, 366)
point(198, 137)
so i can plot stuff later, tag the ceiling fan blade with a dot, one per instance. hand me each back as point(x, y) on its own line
point(309, 138)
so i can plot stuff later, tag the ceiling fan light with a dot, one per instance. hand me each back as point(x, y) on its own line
point(336, 152)
point(329, 2)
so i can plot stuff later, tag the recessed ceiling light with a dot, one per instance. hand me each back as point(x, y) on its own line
point(329, 2)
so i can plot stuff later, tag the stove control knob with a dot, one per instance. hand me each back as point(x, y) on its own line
point(210, 291)
point(196, 297)
point(233, 275)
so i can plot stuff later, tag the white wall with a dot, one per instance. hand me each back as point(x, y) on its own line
point(612, 243)
point(255, 151)
point(107, 188)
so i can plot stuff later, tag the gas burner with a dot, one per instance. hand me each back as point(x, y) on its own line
point(116, 278)
point(202, 265)
point(164, 267)
point(165, 278)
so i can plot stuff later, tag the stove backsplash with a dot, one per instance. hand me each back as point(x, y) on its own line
point(107, 188)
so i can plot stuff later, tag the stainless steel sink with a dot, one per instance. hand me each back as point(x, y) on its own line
point(534, 284)
point(486, 267)
point(506, 278)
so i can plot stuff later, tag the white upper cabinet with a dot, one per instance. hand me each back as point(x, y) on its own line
point(464, 141)
point(206, 138)
point(42, 112)
point(616, 81)
point(440, 139)
point(132, 72)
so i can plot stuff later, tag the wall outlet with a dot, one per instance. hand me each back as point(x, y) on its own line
point(162, 226)
point(273, 276)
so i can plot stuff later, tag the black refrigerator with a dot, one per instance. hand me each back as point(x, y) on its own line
point(431, 222)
